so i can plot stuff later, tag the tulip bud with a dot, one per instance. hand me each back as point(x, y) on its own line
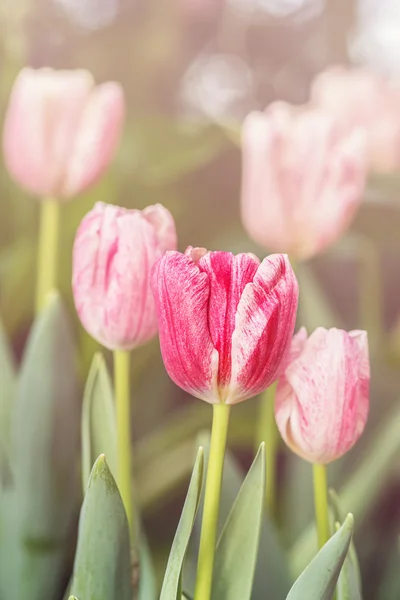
point(322, 399)
point(225, 321)
point(61, 131)
point(361, 98)
point(303, 178)
point(114, 252)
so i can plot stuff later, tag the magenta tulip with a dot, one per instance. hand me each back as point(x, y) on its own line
point(322, 399)
point(114, 252)
point(225, 321)
point(303, 178)
point(61, 131)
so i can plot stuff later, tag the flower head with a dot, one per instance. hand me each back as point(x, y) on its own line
point(114, 252)
point(322, 398)
point(225, 321)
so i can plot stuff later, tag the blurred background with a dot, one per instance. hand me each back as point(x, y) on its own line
point(191, 71)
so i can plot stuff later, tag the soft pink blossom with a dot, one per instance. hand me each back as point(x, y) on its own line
point(358, 97)
point(322, 400)
point(225, 321)
point(61, 131)
point(115, 250)
point(303, 178)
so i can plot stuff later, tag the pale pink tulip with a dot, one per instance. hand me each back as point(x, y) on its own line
point(114, 252)
point(225, 321)
point(61, 131)
point(359, 97)
point(322, 399)
point(303, 179)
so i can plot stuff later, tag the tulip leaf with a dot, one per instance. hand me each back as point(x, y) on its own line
point(7, 393)
point(102, 568)
point(272, 571)
point(349, 584)
point(147, 576)
point(99, 434)
point(362, 488)
point(319, 579)
point(37, 510)
point(236, 553)
point(172, 580)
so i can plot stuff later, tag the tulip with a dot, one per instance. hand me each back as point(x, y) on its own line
point(322, 398)
point(303, 178)
point(358, 97)
point(225, 321)
point(114, 252)
point(61, 131)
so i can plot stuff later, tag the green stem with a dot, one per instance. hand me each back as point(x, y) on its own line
point(123, 401)
point(268, 432)
point(47, 259)
point(370, 292)
point(208, 538)
point(321, 504)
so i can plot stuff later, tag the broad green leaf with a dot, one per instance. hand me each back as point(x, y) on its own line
point(236, 553)
point(172, 578)
point(99, 434)
point(7, 394)
point(272, 571)
point(319, 579)
point(36, 512)
point(102, 568)
point(349, 584)
point(361, 490)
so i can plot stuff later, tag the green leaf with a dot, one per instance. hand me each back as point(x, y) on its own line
point(7, 393)
point(99, 435)
point(102, 568)
point(236, 553)
point(147, 576)
point(349, 584)
point(363, 487)
point(37, 510)
point(173, 573)
point(272, 571)
point(319, 579)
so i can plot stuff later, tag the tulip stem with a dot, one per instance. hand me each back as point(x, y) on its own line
point(267, 431)
point(208, 538)
point(123, 402)
point(321, 504)
point(47, 258)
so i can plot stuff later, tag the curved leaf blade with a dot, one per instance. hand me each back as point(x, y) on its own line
point(236, 553)
point(102, 569)
point(319, 579)
point(172, 579)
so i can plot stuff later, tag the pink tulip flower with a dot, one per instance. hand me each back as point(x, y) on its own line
point(303, 178)
point(225, 321)
point(61, 131)
point(359, 97)
point(322, 398)
point(114, 252)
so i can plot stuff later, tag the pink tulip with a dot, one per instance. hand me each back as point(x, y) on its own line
point(358, 97)
point(114, 252)
point(303, 179)
point(225, 321)
point(322, 399)
point(61, 131)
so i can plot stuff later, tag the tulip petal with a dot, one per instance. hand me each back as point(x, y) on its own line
point(264, 326)
point(182, 295)
point(322, 401)
point(97, 137)
point(163, 224)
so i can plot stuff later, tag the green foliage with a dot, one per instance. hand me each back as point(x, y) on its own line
point(7, 393)
point(99, 434)
point(38, 505)
point(102, 568)
point(171, 589)
point(319, 579)
point(236, 553)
